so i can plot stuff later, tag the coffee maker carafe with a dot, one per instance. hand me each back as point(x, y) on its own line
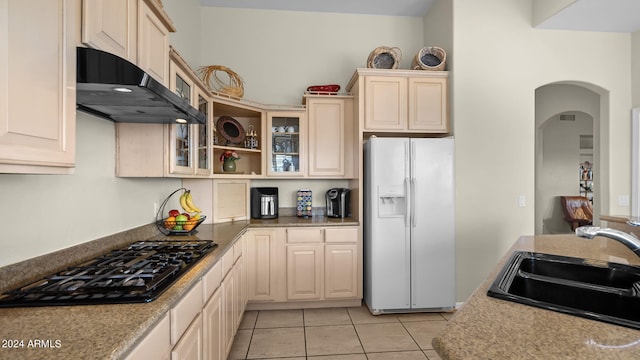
point(264, 202)
point(338, 200)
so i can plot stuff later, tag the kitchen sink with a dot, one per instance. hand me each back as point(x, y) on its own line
point(602, 291)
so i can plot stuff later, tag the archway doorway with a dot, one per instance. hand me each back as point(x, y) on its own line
point(569, 117)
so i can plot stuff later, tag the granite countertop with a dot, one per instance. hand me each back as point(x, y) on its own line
point(109, 331)
point(104, 331)
point(489, 328)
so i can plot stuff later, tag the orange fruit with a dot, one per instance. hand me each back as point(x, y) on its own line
point(189, 225)
point(170, 222)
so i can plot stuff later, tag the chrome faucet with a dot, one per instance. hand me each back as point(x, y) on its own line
point(627, 239)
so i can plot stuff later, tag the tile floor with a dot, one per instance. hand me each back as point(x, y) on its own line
point(336, 334)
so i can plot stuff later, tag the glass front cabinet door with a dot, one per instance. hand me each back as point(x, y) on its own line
point(286, 143)
point(189, 150)
point(181, 159)
point(203, 155)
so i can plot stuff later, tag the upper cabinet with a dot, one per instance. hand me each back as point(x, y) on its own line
point(37, 123)
point(234, 122)
point(189, 148)
point(286, 143)
point(330, 134)
point(136, 30)
point(411, 101)
point(153, 40)
point(111, 25)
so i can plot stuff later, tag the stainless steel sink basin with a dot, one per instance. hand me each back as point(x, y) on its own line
point(600, 291)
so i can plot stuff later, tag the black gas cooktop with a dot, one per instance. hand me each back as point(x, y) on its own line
point(138, 273)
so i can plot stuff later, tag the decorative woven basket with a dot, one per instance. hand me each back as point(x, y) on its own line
point(430, 58)
point(234, 87)
point(384, 57)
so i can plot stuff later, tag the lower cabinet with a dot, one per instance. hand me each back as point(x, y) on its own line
point(304, 272)
point(340, 271)
point(190, 345)
point(157, 343)
point(228, 293)
point(322, 263)
point(213, 329)
point(304, 264)
point(271, 265)
point(266, 264)
point(202, 325)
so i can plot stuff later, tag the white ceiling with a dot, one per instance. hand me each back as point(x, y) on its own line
point(587, 15)
point(597, 15)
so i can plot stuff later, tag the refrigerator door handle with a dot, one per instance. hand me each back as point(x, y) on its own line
point(413, 202)
point(407, 187)
point(407, 215)
point(413, 197)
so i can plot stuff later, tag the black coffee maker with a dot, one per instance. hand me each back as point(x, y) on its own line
point(264, 202)
point(338, 200)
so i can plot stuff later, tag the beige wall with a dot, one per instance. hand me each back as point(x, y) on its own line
point(45, 213)
point(279, 54)
point(500, 60)
point(185, 15)
point(438, 27)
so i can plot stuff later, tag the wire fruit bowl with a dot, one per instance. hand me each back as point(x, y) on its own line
point(168, 227)
point(174, 227)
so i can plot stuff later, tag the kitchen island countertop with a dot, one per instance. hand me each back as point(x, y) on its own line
point(490, 328)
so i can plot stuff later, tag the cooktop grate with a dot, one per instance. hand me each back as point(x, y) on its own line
point(135, 274)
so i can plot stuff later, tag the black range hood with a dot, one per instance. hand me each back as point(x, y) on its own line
point(113, 88)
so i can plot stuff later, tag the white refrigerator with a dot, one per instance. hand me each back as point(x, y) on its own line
point(409, 225)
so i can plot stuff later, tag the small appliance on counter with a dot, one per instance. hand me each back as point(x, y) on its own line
point(338, 200)
point(264, 202)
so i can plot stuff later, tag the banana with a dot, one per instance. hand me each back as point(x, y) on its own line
point(184, 204)
point(189, 201)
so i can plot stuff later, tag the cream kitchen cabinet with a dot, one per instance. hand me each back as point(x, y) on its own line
point(401, 101)
point(233, 285)
point(203, 323)
point(189, 145)
point(340, 271)
point(322, 263)
point(249, 116)
point(330, 136)
point(305, 263)
point(296, 265)
point(136, 30)
point(153, 39)
point(213, 327)
point(342, 263)
point(38, 123)
point(286, 143)
point(190, 345)
point(266, 264)
point(157, 343)
point(111, 26)
point(304, 272)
